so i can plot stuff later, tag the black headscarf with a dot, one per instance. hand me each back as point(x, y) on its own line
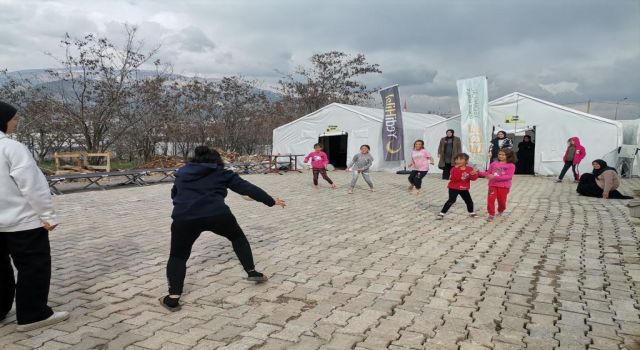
point(7, 112)
point(453, 133)
point(603, 167)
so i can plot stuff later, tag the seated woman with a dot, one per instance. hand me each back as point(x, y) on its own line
point(602, 183)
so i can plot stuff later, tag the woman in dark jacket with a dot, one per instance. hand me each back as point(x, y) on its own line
point(526, 155)
point(450, 146)
point(198, 205)
point(499, 142)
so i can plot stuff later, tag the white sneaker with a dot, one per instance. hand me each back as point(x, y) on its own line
point(440, 216)
point(53, 319)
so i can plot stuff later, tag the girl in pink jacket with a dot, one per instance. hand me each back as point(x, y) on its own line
point(499, 174)
point(574, 154)
point(319, 161)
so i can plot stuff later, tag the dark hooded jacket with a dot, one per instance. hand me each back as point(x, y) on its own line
point(200, 189)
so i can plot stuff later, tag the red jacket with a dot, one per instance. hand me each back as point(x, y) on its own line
point(461, 179)
point(581, 152)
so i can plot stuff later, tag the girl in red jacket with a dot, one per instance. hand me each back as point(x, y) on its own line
point(459, 185)
point(574, 154)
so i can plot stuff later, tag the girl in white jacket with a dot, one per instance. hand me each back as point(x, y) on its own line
point(26, 217)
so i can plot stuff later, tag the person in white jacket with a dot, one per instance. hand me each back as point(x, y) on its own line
point(26, 217)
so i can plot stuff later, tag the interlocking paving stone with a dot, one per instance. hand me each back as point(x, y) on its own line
point(361, 271)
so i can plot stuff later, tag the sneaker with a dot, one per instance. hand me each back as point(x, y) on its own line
point(473, 215)
point(171, 305)
point(256, 276)
point(53, 319)
point(490, 218)
point(558, 180)
point(504, 213)
point(440, 216)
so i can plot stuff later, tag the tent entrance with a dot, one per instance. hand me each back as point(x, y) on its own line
point(335, 146)
point(526, 165)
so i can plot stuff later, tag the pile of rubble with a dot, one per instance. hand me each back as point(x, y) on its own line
point(164, 162)
point(161, 161)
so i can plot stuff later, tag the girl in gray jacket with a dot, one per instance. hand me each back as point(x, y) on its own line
point(360, 165)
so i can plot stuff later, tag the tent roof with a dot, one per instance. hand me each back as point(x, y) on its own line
point(374, 114)
point(510, 98)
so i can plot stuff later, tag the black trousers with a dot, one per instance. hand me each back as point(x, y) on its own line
point(453, 195)
point(322, 172)
point(185, 233)
point(446, 171)
point(566, 167)
point(31, 255)
point(415, 178)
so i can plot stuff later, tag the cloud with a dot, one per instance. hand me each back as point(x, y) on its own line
point(560, 88)
point(565, 51)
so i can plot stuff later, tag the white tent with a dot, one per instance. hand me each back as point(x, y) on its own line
point(347, 127)
point(631, 136)
point(550, 125)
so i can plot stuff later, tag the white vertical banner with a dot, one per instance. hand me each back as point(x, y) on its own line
point(474, 119)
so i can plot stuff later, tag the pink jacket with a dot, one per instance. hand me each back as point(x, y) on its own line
point(502, 174)
point(581, 152)
point(319, 160)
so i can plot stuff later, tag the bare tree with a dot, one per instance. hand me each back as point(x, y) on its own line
point(94, 86)
point(331, 78)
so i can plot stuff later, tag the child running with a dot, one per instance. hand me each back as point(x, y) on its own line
point(499, 174)
point(360, 166)
point(420, 160)
point(198, 205)
point(460, 184)
point(319, 161)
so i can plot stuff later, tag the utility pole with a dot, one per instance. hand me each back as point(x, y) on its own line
point(589, 106)
point(615, 117)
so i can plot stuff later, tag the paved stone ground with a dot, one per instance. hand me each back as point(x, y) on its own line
point(363, 271)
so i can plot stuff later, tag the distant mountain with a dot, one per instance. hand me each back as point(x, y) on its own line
point(42, 78)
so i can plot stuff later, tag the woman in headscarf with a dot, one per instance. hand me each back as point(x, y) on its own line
point(526, 152)
point(602, 183)
point(499, 142)
point(450, 146)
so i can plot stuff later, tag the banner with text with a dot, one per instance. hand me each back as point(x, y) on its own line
point(392, 135)
point(474, 119)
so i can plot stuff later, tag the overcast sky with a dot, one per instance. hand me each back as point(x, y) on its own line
point(565, 51)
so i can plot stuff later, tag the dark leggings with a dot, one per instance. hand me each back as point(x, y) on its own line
point(322, 172)
point(446, 171)
point(566, 167)
point(31, 255)
point(453, 195)
point(185, 233)
point(415, 178)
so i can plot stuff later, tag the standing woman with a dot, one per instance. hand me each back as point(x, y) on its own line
point(499, 142)
point(574, 154)
point(526, 155)
point(198, 205)
point(26, 217)
point(450, 146)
